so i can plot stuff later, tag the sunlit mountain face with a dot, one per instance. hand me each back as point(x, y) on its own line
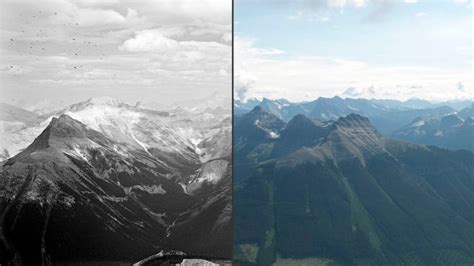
point(343, 190)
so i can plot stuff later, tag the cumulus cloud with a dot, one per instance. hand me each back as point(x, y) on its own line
point(242, 84)
point(353, 92)
point(149, 41)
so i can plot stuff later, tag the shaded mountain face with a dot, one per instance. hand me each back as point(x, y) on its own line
point(451, 132)
point(467, 112)
point(353, 197)
point(10, 113)
point(256, 126)
point(254, 133)
point(300, 132)
point(16, 125)
point(103, 191)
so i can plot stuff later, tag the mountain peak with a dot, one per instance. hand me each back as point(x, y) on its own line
point(354, 136)
point(92, 102)
point(103, 101)
point(300, 131)
point(65, 127)
point(63, 130)
point(258, 124)
point(354, 120)
point(257, 109)
point(451, 120)
point(300, 120)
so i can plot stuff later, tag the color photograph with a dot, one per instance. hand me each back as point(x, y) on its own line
point(353, 133)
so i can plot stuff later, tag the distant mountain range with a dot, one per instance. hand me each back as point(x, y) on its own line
point(104, 181)
point(390, 117)
point(339, 192)
point(288, 108)
point(451, 131)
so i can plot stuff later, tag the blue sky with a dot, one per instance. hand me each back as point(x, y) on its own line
point(422, 48)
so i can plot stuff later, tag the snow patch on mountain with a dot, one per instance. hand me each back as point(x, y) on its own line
point(273, 135)
point(151, 189)
point(213, 171)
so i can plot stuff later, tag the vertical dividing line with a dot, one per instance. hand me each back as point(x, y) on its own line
point(232, 142)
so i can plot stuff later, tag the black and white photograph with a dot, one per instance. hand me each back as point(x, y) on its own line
point(115, 125)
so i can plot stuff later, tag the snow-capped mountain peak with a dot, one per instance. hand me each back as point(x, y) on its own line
point(103, 101)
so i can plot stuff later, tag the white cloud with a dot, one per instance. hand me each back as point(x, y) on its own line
point(95, 3)
point(149, 41)
point(305, 78)
point(92, 17)
point(411, 1)
point(178, 12)
point(344, 3)
point(322, 10)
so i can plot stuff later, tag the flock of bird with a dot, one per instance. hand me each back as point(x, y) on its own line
point(36, 47)
point(32, 42)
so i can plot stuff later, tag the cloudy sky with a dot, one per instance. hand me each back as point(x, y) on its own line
point(402, 49)
point(70, 50)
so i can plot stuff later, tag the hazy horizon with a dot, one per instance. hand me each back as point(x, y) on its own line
point(58, 104)
point(260, 98)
